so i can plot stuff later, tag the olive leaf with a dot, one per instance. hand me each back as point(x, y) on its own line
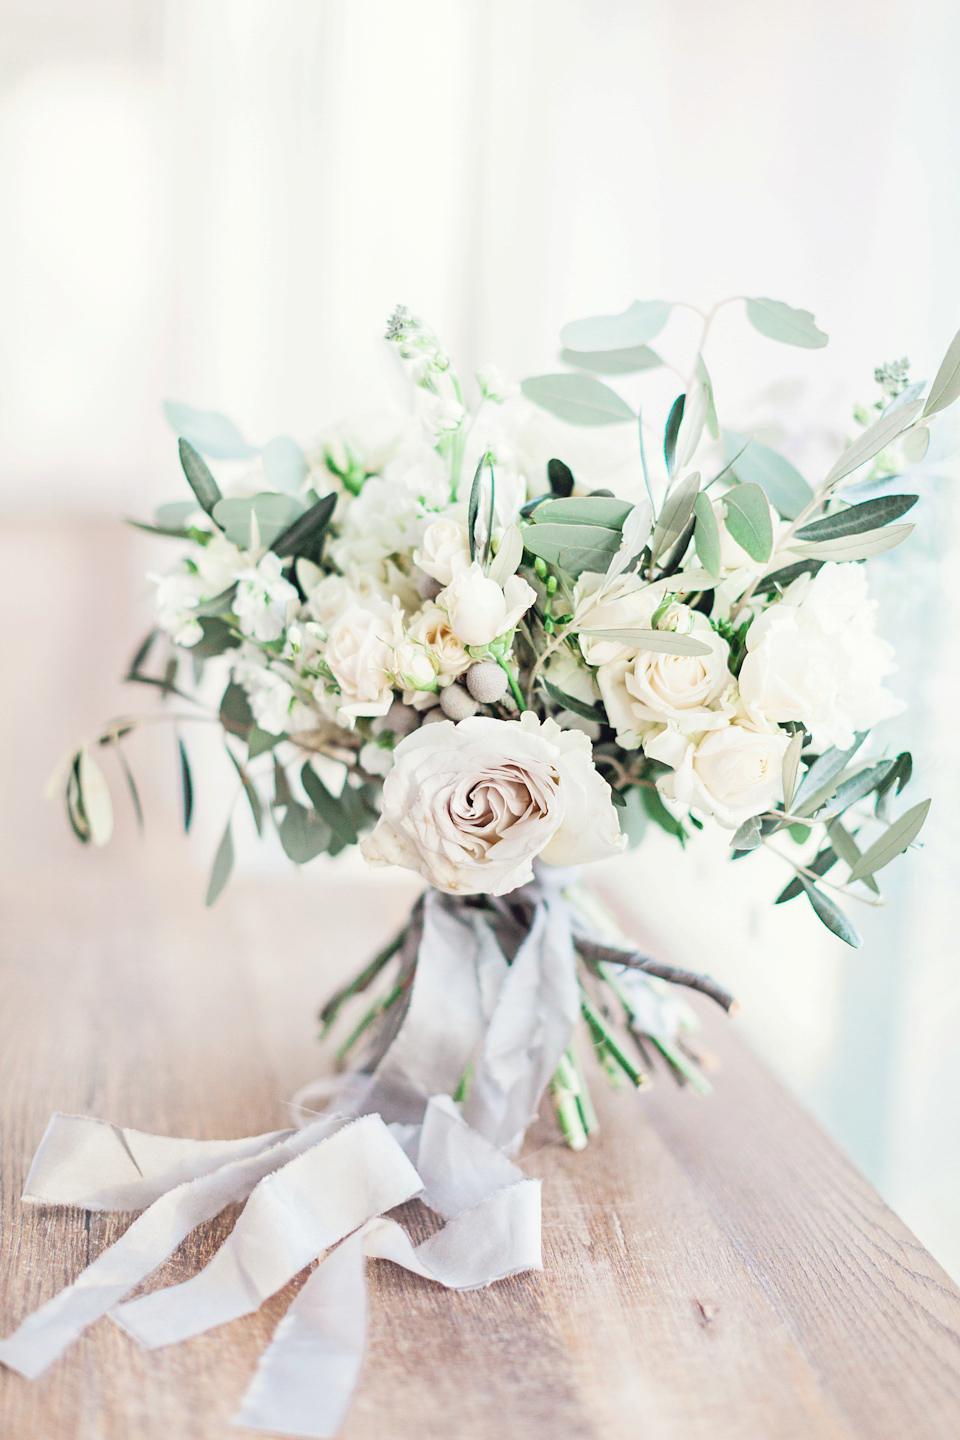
point(791, 764)
point(667, 642)
point(97, 804)
point(643, 320)
point(898, 837)
point(304, 536)
point(675, 512)
point(856, 519)
point(748, 520)
point(815, 788)
point(186, 785)
point(853, 547)
point(946, 383)
point(830, 914)
point(199, 477)
point(872, 441)
point(560, 478)
point(575, 706)
point(671, 431)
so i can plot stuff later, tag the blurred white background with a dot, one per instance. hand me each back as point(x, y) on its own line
point(221, 201)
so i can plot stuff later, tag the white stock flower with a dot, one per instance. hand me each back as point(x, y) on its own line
point(470, 806)
point(431, 628)
point(813, 657)
point(731, 773)
point(218, 564)
point(653, 687)
point(444, 551)
point(271, 697)
point(177, 597)
point(264, 599)
point(359, 654)
point(479, 610)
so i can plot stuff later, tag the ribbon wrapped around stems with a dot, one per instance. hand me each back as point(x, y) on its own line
point(489, 994)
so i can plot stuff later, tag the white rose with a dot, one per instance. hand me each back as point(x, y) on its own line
point(444, 551)
point(471, 806)
point(359, 652)
point(414, 667)
point(329, 598)
point(432, 629)
point(813, 656)
point(479, 610)
point(731, 773)
point(655, 688)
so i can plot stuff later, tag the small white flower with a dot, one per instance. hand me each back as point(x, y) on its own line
point(480, 611)
point(444, 551)
point(359, 653)
point(271, 697)
point(375, 759)
point(493, 385)
point(264, 599)
point(177, 597)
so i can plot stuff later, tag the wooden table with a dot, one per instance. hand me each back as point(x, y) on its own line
point(714, 1268)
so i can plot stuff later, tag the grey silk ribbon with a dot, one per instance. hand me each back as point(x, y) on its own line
point(492, 994)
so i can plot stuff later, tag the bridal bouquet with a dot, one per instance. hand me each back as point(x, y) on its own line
point(448, 643)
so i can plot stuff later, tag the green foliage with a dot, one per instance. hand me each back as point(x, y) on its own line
point(560, 479)
point(304, 537)
point(584, 510)
point(274, 515)
point(573, 547)
point(756, 464)
point(946, 384)
point(872, 441)
point(235, 713)
point(675, 512)
point(853, 547)
point(186, 785)
point(858, 519)
point(613, 362)
point(641, 322)
point(828, 912)
point(666, 642)
point(671, 431)
point(781, 322)
point(660, 815)
point(303, 834)
point(575, 706)
point(222, 866)
point(199, 477)
point(706, 535)
point(899, 835)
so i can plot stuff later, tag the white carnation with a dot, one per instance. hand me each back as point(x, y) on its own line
point(814, 657)
point(470, 806)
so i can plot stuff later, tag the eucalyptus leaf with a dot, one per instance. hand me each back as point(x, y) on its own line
point(575, 706)
point(706, 535)
point(675, 512)
point(222, 866)
point(822, 773)
point(578, 399)
point(612, 362)
point(199, 477)
point(261, 742)
point(548, 541)
point(748, 520)
point(666, 642)
point(872, 441)
point(584, 510)
point(208, 431)
point(830, 914)
point(781, 322)
point(274, 515)
point(670, 433)
point(852, 547)
point(174, 515)
point(303, 834)
point(856, 519)
point(756, 464)
point(635, 326)
point(946, 383)
point(304, 536)
point(559, 478)
point(285, 464)
point(508, 556)
point(791, 764)
point(898, 837)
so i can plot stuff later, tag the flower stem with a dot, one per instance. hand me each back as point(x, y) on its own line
point(515, 690)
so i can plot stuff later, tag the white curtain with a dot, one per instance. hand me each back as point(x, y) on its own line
point(223, 200)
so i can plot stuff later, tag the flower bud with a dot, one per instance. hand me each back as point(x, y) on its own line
point(487, 682)
point(456, 704)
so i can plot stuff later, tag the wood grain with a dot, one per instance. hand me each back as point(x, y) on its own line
point(715, 1270)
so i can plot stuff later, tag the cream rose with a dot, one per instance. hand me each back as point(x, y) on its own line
point(432, 629)
point(626, 604)
point(731, 773)
point(471, 806)
point(651, 688)
point(360, 654)
point(444, 552)
point(814, 657)
point(480, 611)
